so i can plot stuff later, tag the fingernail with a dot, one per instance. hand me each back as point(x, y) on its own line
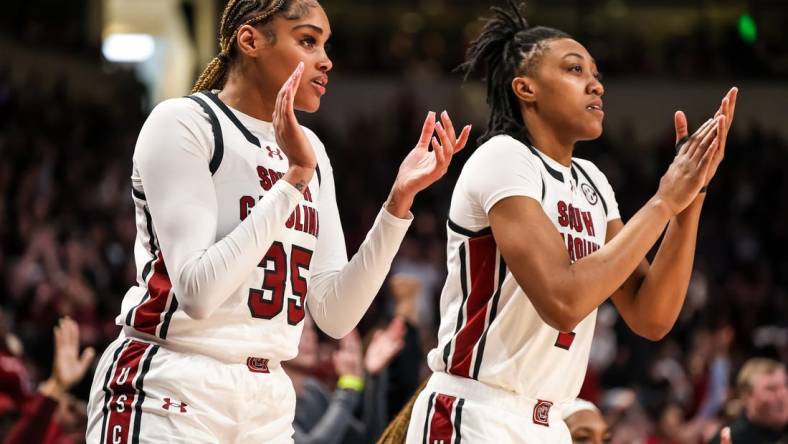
point(438, 124)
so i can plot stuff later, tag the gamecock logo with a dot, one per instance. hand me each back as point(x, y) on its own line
point(542, 412)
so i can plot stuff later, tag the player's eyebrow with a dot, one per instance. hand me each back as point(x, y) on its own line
point(315, 28)
point(574, 54)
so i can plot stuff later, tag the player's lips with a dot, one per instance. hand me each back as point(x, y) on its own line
point(320, 83)
point(595, 107)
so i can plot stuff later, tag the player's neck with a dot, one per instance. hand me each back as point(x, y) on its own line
point(548, 141)
point(242, 94)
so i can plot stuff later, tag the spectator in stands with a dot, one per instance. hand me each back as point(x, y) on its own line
point(52, 413)
point(763, 388)
point(323, 417)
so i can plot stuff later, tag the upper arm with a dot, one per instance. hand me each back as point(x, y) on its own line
point(172, 159)
point(330, 252)
point(624, 297)
point(533, 251)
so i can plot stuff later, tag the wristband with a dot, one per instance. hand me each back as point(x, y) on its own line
point(351, 382)
point(681, 143)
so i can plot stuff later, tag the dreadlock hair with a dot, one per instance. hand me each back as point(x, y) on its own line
point(397, 430)
point(236, 14)
point(507, 47)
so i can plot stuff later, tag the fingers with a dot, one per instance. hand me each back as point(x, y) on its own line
point(284, 99)
point(446, 144)
point(466, 132)
point(725, 435)
point(682, 133)
point(734, 94)
point(436, 148)
point(448, 126)
point(709, 134)
point(690, 147)
point(426, 130)
point(86, 359)
point(706, 160)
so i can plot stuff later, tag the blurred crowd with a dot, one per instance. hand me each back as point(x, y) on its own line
point(368, 37)
point(67, 232)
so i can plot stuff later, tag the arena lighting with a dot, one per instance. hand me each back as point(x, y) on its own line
point(128, 48)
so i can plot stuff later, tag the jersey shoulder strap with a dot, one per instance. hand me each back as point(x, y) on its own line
point(216, 127)
point(593, 185)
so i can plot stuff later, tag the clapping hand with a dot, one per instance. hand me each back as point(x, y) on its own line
point(385, 345)
point(726, 110)
point(421, 167)
point(68, 365)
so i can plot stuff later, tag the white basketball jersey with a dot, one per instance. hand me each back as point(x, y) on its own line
point(262, 318)
point(489, 329)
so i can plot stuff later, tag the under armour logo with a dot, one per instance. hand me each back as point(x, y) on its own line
point(180, 405)
point(271, 152)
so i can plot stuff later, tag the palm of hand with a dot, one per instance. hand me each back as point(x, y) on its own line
point(418, 170)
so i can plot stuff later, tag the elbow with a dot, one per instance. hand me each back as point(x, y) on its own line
point(334, 331)
point(194, 309)
point(653, 334)
point(652, 330)
point(565, 321)
point(563, 316)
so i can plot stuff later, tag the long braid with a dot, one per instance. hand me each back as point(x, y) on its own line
point(507, 46)
point(236, 14)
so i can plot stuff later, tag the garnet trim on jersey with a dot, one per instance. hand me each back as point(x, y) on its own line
point(124, 387)
point(438, 425)
point(479, 258)
point(147, 315)
point(218, 139)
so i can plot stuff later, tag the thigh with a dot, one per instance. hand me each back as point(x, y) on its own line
point(143, 393)
point(270, 408)
point(439, 418)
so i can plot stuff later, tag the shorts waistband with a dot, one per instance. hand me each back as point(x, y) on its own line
point(483, 393)
point(256, 364)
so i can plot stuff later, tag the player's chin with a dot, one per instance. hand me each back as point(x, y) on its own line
point(308, 105)
point(591, 130)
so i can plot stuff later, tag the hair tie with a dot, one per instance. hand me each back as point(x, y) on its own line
point(223, 57)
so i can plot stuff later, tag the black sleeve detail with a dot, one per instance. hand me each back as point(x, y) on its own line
point(165, 326)
point(138, 194)
point(218, 140)
point(466, 232)
point(319, 177)
point(556, 174)
point(544, 189)
point(247, 134)
point(588, 178)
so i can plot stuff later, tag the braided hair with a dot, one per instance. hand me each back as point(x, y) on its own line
point(236, 14)
point(507, 47)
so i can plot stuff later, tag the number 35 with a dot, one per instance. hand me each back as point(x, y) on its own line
point(275, 281)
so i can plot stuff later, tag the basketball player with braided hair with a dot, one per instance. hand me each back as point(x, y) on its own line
point(238, 234)
point(536, 244)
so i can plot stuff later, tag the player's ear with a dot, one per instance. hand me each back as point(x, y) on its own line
point(249, 40)
point(524, 88)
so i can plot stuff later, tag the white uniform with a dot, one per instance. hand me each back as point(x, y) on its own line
point(501, 373)
point(225, 253)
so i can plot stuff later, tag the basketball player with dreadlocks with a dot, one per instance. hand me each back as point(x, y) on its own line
point(238, 234)
point(536, 244)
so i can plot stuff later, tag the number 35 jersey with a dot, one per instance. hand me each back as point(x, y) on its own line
point(490, 330)
point(226, 250)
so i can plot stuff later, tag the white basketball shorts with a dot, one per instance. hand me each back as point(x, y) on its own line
point(455, 410)
point(145, 393)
